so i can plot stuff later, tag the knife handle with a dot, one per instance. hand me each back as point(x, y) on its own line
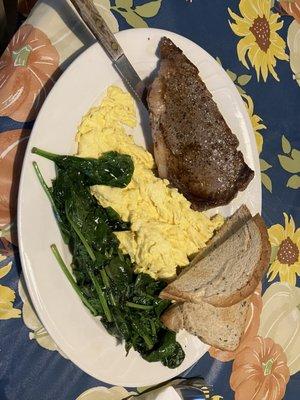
point(98, 27)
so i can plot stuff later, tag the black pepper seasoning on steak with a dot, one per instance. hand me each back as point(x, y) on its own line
point(193, 146)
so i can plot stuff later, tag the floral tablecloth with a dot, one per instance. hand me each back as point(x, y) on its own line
point(258, 44)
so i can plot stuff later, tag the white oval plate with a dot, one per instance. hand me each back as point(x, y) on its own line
point(80, 336)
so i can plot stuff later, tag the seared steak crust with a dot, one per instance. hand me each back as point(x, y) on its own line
point(194, 147)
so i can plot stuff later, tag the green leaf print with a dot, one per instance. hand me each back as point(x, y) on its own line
point(266, 181)
point(264, 166)
point(289, 164)
point(148, 10)
point(290, 161)
point(124, 4)
point(240, 89)
point(231, 75)
point(294, 182)
point(134, 14)
point(244, 79)
point(296, 156)
point(285, 144)
point(133, 19)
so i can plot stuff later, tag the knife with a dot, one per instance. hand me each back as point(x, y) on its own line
point(90, 15)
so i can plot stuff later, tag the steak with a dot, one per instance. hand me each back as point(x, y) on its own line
point(193, 146)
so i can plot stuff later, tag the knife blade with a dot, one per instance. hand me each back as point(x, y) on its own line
point(90, 15)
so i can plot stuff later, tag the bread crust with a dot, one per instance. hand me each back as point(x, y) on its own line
point(176, 318)
point(170, 293)
point(219, 300)
point(258, 273)
point(172, 318)
point(243, 215)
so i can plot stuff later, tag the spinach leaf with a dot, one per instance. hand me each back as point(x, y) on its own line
point(169, 352)
point(128, 303)
point(111, 169)
point(114, 221)
point(120, 272)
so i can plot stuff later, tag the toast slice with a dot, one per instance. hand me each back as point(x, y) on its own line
point(231, 225)
point(220, 327)
point(229, 273)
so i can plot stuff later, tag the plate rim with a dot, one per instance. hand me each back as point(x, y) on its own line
point(32, 290)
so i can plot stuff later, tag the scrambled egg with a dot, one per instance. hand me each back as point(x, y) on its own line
point(164, 230)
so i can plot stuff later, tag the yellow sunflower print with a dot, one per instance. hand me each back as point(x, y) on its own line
point(7, 296)
point(256, 122)
point(285, 243)
point(260, 41)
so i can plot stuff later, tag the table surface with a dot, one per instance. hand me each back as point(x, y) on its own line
point(257, 43)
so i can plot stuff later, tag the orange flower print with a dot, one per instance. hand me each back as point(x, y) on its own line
point(252, 325)
point(259, 371)
point(26, 73)
point(292, 8)
point(12, 148)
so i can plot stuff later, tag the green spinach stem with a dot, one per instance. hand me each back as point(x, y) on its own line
point(44, 184)
point(101, 295)
point(50, 197)
point(45, 154)
point(107, 284)
point(71, 279)
point(138, 306)
point(148, 341)
point(89, 250)
point(152, 327)
point(81, 237)
point(146, 338)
